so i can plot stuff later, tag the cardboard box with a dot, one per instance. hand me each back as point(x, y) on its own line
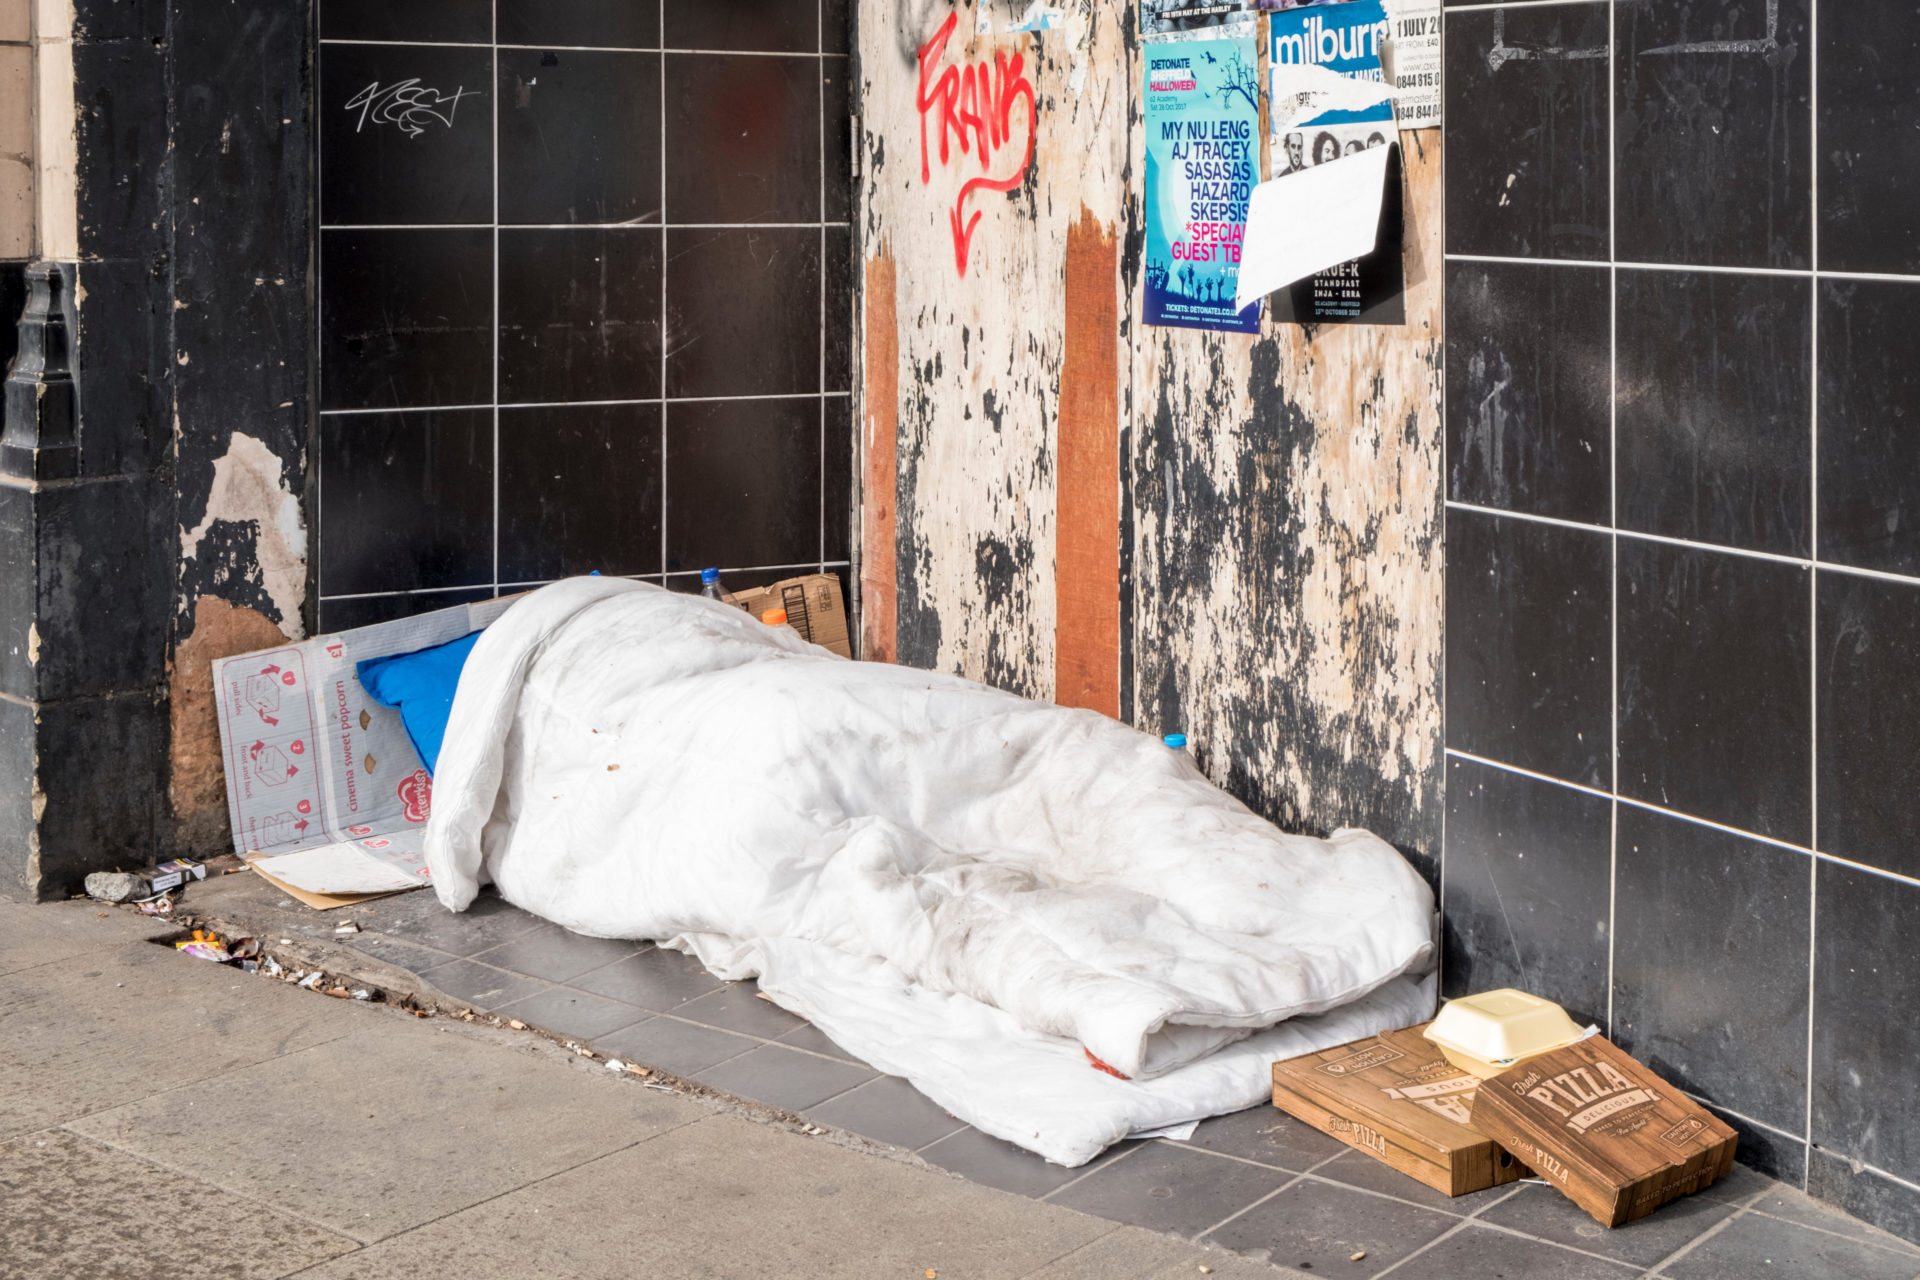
point(1617, 1139)
point(814, 608)
point(1396, 1098)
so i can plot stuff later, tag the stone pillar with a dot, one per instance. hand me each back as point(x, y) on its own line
point(83, 609)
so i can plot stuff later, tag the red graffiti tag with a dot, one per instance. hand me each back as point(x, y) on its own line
point(974, 105)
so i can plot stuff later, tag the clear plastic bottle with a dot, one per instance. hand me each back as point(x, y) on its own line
point(710, 585)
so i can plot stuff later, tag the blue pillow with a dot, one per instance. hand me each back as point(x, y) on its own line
point(420, 685)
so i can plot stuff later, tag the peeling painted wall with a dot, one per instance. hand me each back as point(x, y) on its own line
point(1276, 576)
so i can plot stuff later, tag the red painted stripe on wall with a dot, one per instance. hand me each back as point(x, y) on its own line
point(1087, 518)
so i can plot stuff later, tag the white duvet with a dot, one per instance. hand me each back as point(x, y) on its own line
point(974, 891)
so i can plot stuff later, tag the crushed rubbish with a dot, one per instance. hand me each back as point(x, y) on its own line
point(204, 946)
point(345, 928)
point(516, 1024)
point(1355, 1257)
point(162, 906)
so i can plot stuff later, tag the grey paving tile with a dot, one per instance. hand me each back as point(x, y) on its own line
point(683, 1048)
point(1318, 1227)
point(557, 954)
point(76, 1208)
point(887, 1109)
point(1357, 1169)
point(1544, 1212)
point(979, 1158)
point(401, 955)
point(1740, 1184)
point(808, 1036)
point(1166, 1188)
point(737, 1006)
point(489, 922)
point(1796, 1206)
point(655, 979)
point(573, 1013)
point(1481, 1253)
point(1755, 1245)
point(480, 984)
point(1268, 1135)
point(785, 1078)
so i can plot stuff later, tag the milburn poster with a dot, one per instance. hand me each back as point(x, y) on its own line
point(1203, 157)
point(1347, 39)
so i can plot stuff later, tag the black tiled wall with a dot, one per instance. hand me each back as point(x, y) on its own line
point(1683, 552)
point(585, 300)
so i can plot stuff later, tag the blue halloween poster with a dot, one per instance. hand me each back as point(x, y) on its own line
point(1203, 157)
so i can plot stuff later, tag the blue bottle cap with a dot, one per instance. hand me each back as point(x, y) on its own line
point(1178, 741)
point(709, 576)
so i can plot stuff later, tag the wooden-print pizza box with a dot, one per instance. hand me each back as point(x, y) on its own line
point(1617, 1139)
point(1395, 1097)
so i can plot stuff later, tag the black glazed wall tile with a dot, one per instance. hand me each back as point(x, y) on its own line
point(837, 323)
point(1870, 424)
point(751, 153)
point(406, 501)
point(406, 317)
point(836, 26)
point(1527, 878)
point(1710, 963)
point(1715, 708)
point(1776, 1154)
point(579, 314)
point(452, 21)
point(1865, 1194)
point(365, 611)
point(126, 420)
point(836, 116)
point(1715, 408)
point(1529, 644)
point(742, 311)
point(1866, 967)
point(1528, 378)
point(393, 151)
point(1713, 147)
point(579, 491)
point(1526, 109)
point(743, 483)
point(579, 136)
point(836, 503)
point(759, 26)
point(606, 24)
point(1869, 150)
point(1869, 709)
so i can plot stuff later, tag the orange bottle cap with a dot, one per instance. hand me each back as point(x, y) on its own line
point(774, 617)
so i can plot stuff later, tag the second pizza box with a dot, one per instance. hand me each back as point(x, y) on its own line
point(1395, 1097)
point(1616, 1138)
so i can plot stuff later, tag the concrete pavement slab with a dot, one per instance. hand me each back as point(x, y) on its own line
point(1129, 1253)
point(726, 1199)
point(62, 931)
point(392, 1127)
point(76, 1208)
point(117, 1022)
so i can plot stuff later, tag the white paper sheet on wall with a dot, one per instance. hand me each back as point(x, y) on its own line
point(1311, 220)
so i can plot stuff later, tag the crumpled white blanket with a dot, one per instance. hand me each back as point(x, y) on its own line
point(963, 887)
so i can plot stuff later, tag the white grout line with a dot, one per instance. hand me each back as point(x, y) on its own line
point(820, 96)
point(1744, 1118)
point(665, 266)
point(578, 404)
point(1813, 547)
point(1600, 263)
point(594, 48)
point(493, 101)
point(1512, 4)
point(1596, 792)
point(632, 224)
point(1613, 515)
point(1802, 562)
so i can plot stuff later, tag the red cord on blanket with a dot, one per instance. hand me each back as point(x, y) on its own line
point(1101, 1066)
